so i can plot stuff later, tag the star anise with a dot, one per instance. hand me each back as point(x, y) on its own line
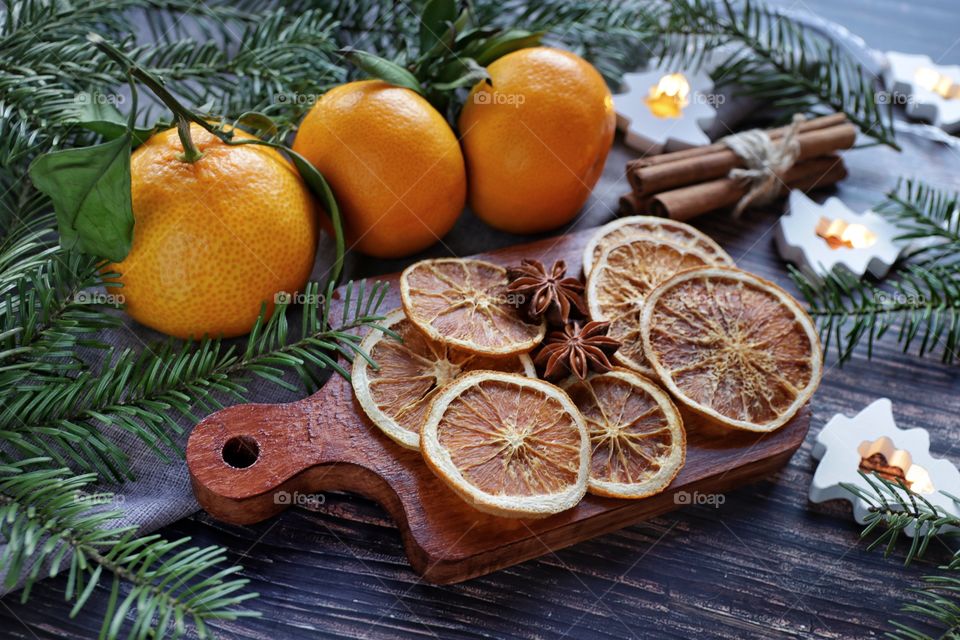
point(577, 350)
point(547, 292)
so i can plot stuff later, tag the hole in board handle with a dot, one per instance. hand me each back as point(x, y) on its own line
point(241, 452)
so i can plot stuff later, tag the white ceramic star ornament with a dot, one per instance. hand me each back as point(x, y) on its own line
point(661, 110)
point(932, 91)
point(844, 443)
point(819, 238)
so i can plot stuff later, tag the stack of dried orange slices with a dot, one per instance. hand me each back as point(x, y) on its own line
point(727, 345)
point(460, 387)
point(454, 378)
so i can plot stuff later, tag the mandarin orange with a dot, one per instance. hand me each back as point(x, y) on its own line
point(213, 239)
point(536, 140)
point(393, 162)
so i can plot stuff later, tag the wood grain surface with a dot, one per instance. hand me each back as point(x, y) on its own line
point(764, 564)
point(248, 462)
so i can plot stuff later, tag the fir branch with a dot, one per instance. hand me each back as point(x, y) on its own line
point(18, 141)
point(937, 602)
point(272, 60)
point(928, 214)
point(895, 509)
point(387, 27)
point(143, 393)
point(27, 239)
point(921, 297)
point(281, 64)
point(923, 303)
point(170, 20)
point(47, 313)
point(47, 520)
point(46, 308)
point(45, 64)
point(616, 37)
point(781, 61)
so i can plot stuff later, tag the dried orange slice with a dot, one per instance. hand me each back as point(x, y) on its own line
point(673, 231)
point(465, 304)
point(508, 445)
point(636, 433)
point(409, 373)
point(732, 347)
point(620, 281)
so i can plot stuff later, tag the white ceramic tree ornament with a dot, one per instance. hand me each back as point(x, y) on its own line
point(662, 110)
point(932, 91)
point(818, 238)
point(844, 444)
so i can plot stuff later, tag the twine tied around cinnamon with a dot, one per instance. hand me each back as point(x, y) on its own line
point(766, 162)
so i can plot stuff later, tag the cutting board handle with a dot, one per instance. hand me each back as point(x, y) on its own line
point(249, 462)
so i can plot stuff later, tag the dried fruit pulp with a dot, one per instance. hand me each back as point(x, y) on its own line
point(636, 433)
point(620, 282)
point(508, 445)
point(410, 371)
point(464, 303)
point(732, 347)
point(632, 227)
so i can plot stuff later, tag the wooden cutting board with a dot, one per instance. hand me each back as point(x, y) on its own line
point(250, 462)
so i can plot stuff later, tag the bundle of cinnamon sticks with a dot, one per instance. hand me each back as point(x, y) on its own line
point(685, 184)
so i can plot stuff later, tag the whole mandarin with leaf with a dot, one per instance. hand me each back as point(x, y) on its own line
point(536, 140)
point(213, 239)
point(393, 162)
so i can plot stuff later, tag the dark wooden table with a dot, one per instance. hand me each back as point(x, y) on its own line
point(764, 564)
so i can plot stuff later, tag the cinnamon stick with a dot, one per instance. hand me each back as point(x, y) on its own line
point(630, 205)
point(690, 201)
point(809, 125)
point(708, 166)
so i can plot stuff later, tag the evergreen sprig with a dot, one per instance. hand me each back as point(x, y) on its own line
point(923, 303)
point(144, 392)
point(47, 519)
point(47, 313)
point(927, 214)
point(921, 297)
point(777, 60)
point(283, 62)
point(895, 509)
point(244, 58)
point(617, 37)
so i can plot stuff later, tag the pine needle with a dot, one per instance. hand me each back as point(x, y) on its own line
point(47, 519)
point(920, 299)
point(894, 509)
